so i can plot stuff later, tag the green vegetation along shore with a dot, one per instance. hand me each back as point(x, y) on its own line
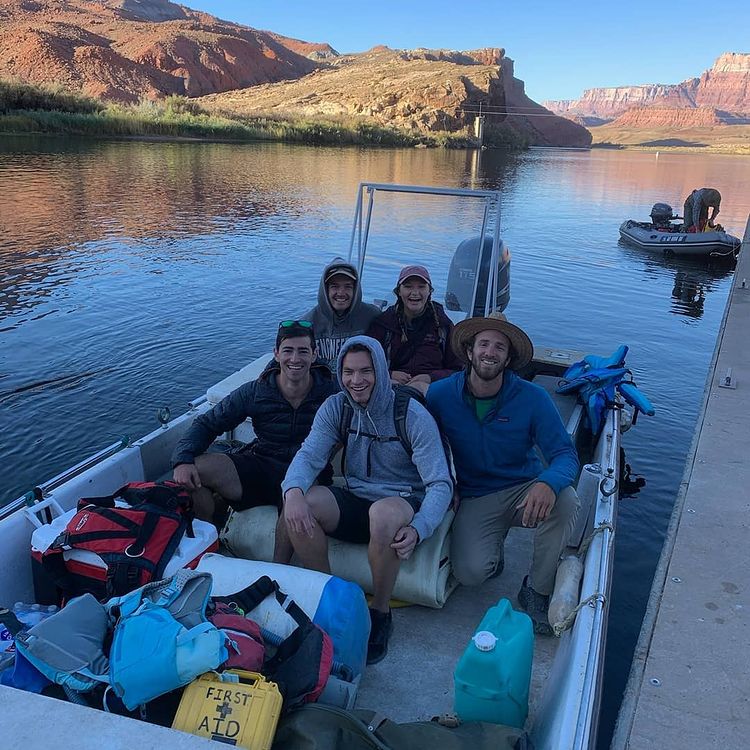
point(40, 109)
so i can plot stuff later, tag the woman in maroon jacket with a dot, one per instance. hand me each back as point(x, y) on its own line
point(415, 333)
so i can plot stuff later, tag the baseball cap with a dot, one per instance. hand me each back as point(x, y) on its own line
point(418, 271)
point(341, 271)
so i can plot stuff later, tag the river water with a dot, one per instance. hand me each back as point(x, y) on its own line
point(134, 275)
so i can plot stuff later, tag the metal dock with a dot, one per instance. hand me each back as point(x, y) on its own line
point(688, 684)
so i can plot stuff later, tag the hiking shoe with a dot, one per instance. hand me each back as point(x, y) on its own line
point(536, 606)
point(381, 627)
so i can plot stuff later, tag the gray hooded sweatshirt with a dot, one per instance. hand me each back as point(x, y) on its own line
point(389, 472)
point(332, 329)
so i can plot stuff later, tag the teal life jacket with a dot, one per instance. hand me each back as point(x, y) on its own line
point(597, 380)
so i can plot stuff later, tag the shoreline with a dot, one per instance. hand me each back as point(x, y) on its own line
point(729, 151)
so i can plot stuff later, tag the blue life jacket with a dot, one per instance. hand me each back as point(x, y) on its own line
point(597, 381)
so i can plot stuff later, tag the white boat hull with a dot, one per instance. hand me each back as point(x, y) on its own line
point(698, 244)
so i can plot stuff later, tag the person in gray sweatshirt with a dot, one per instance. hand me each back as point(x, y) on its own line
point(340, 312)
point(392, 500)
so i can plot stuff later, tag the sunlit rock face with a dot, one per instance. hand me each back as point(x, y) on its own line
point(129, 50)
point(725, 87)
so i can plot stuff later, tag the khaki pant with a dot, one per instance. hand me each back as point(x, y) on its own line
point(482, 523)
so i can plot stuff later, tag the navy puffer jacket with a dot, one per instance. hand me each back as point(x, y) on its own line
point(279, 428)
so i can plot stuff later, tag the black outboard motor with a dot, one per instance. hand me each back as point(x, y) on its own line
point(462, 275)
point(661, 215)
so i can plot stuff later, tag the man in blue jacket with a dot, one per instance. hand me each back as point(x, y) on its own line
point(394, 498)
point(281, 403)
point(493, 420)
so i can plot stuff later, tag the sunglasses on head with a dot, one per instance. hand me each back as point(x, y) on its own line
point(293, 323)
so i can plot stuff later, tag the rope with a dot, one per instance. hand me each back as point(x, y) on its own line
point(587, 541)
point(560, 627)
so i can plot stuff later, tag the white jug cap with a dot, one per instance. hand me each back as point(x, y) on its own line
point(484, 640)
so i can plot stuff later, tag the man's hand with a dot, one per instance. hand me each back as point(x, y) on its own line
point(405, 541)
point(537, 504)
point(420, 379)
point(297, 513)
point(402, 378)
point(186, 475)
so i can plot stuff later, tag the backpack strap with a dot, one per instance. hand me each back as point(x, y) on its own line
point(345, 424)
point(403, 396)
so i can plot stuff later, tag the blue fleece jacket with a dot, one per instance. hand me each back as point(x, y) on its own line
point(377, 465)
point(498, 452)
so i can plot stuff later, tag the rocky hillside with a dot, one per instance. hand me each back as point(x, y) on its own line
point(724, 88)
point(126, 50)
point(418, 90)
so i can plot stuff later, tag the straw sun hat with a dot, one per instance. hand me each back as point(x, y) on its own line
point(466, 330)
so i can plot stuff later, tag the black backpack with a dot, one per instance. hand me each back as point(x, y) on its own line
point(403, 396)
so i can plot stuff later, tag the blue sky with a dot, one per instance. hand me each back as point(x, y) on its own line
point(559, 48)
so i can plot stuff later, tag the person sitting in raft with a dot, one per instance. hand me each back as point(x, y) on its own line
point(282, 403)
point(696, 207)
point(392, 500)
point(415, 333)
point(340, 312)
point(493, 419)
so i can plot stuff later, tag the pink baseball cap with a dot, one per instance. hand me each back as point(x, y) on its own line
point(419, 271)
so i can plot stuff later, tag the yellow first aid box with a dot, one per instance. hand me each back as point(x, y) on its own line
point(235, 707)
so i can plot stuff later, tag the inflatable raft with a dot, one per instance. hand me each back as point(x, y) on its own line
point(698, 244)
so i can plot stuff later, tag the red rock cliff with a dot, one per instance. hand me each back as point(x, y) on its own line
point(125, 50)
point(725, 87)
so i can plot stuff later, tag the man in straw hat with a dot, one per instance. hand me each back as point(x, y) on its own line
point(493, 420)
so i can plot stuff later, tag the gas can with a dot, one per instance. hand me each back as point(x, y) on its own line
point(235, 707)
point(492, 676)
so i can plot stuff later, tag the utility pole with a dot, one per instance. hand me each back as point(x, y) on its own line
point(479, 126)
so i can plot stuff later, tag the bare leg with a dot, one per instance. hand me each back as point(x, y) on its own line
point(313, 550)
point(387, 516)
point(282, 546)
point(218, 474)
point(203, 504)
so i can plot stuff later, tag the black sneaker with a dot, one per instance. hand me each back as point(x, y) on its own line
point(536, 606)
point(381, 627)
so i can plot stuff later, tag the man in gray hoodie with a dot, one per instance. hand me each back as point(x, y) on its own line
point(393, 499)
point(340, 312)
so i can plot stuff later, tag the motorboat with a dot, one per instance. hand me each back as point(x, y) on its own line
point(664, 236)
point(415, 681)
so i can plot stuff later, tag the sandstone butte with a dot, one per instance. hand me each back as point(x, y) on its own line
point(719, 96)
point(129, 50)
point(418, 90)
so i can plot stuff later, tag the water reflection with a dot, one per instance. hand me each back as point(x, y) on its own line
point(693, 279)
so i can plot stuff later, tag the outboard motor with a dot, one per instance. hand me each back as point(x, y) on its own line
point(462, 275)
point(661, 215)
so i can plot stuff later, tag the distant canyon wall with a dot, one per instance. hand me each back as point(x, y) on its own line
point(723, 89)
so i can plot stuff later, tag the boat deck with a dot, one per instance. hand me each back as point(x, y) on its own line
point(688, 684)
point(415, 680)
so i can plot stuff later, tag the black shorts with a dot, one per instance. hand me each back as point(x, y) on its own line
point(261, 478)
point(354, 516)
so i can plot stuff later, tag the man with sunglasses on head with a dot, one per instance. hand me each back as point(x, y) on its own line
point(281, 403)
